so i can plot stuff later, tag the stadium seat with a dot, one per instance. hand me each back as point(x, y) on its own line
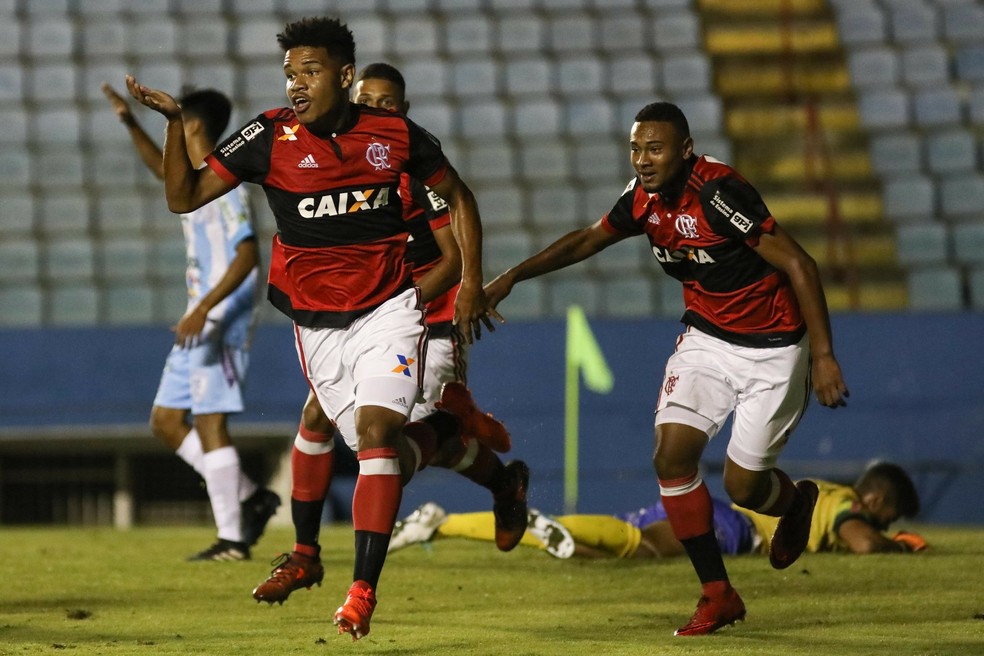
point(425, 76)
point(124, 258)
point(146, 7)
point(685, 72)
point(528, 75)
point(600, 196)
point(64, 213)
point(962, 196)
point(937, 106)
point(526, 301)
point(417, 35)
point(168, 259)
point(17, 210)
point(975, 280)
point(521, 33)
point(475, 77)
point(255, 37)
point(153, 37)
point(913, 22)
point(503, 250)
point(206, 36)
point(884, 109)
point(129, 304)
point(18, 261)
point(951, 151)
point(579, 75)
point(119, 210)
point(626, 258)
point(372, 35)
point(623, 30)
point(873, 67)
point(573, 287)
point(717, 146)
point(468, 34)
point(922, 244)
point(704, 112)
point(555, 208)
point(171, 302)
point(437, 117)
point(69, 259)
point(103, 37)
point(970, 64)
point(15, 168)
point(502, 206)
point(91, 77)
point(627, 298)
point(634, 73)
point(599, 158)
point(161, 73)
point(861, 24)
point(15, 132)
point(204, 74)
point(535, 117)
point(962, 22)
point(925, 65)
point(60, 167)
point(74, 305)
point(968, 242)
point(669, 297)
point(975, 104)
point(935, 289)
point(198, 8)
point(896, 152)
point(10, 38)
point(50, 37)
point(482, 117)
point(911, 197)
point(571, 32)
point(545, 159)
point(23, 306)
point(676, 31)
point(595, 116)
point(451, 7)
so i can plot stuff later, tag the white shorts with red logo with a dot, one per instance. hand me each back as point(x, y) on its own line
point(375, 360)
point(447, 360)
point(767, 389)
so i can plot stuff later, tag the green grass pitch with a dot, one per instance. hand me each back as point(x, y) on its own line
point(100, 591)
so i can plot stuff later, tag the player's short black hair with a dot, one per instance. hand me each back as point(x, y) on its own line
point(212, 107)
point(383, 71)
point(665, 112)
point(321, 32)
point(898, 487)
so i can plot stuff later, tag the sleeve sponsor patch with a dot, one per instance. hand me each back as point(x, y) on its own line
point(437, 203)
point(251, 131)
point(741, 222)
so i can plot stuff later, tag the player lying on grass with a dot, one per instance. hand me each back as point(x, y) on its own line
point(848, 518)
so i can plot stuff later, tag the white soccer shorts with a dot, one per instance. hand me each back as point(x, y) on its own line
point(447, 360)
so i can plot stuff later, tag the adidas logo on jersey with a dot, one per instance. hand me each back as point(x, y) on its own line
point(308, 163)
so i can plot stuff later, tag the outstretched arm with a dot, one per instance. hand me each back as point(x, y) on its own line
point(784, 253)
point(149, 152)
point(185, 188)
point(471, 308)
point(569, 249)
point(862, 538)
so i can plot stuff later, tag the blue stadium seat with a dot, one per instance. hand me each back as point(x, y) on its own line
point(910, 198)
point(545, 159)
point(450, 7)
point(374, 37)
point(501, 250)
point(74, 305)
point(147, 7)
point(570, 32)
point(437, 117)
point(171, 302)
point(69, 259)
point(17, 210)
point(15, 132)
point(861, 24)
point(502, 206)
point(685, 72)
point(161, 73)
point(61, 126)
point(477, 76)
point(627, 298)
point(599, 158)
point(528, 75)
point(15, 168)
point(91, 77)
point(704, 112)
point(962, 22)
point(50, 37)
point(537, 116)
point(23, 306)
point(10, 37)
point(935, 289)
point(124, 258)
point(962, 196)
point(555, 208)
point(255, 37)
point(626, 258)
point(623, 30)
point(675, 31)
point(580, 75)
point(119, 210)
point(60, 167)
point(600, 196)
point(468, 34)
point(884, 108)
point(896, 152)
point(922, 244)
point(103, 37)
point(208, 36)
point(206, 74)
point(913, 22)
point(521, 33)
point(669, 297)
point(968, 242)
point(951, 151)
point(482, 117)
point(873, 67)
point(18, 261)
point(925, 65)
point(425, 76)
point(573, 286)
point(129, 304)
point(526, 301)
point(153, 37)
point(168, 259)
point(415, 35)
point(591, 116)
point(209, 8)
point(975, 104)
point(970, 63)
point(634, 72)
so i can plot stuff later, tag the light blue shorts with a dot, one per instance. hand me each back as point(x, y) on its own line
point(206, 379)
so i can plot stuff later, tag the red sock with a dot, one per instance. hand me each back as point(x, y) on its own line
point(688, 506)
point(312, 463)
point(378, 491)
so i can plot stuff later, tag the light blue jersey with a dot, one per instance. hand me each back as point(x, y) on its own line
point(207, 378)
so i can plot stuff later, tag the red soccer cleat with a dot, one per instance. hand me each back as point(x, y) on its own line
point(290, 572)
point(353, 616)
point(793, 531)
point(714, 613)
point(457, 399)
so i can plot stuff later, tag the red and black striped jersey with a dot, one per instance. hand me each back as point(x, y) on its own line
point(704, 236)
point(340, 222)
point(426, 212)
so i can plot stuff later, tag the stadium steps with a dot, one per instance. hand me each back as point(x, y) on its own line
point(796, 133)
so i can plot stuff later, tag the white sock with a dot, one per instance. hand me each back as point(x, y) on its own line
point(222, 475)
point(190, 451)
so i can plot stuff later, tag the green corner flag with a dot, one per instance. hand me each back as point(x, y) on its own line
point(583, 355)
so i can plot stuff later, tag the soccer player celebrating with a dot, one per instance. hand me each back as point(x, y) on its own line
point(758, 333)
point(331, 170)
point(466, 437)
